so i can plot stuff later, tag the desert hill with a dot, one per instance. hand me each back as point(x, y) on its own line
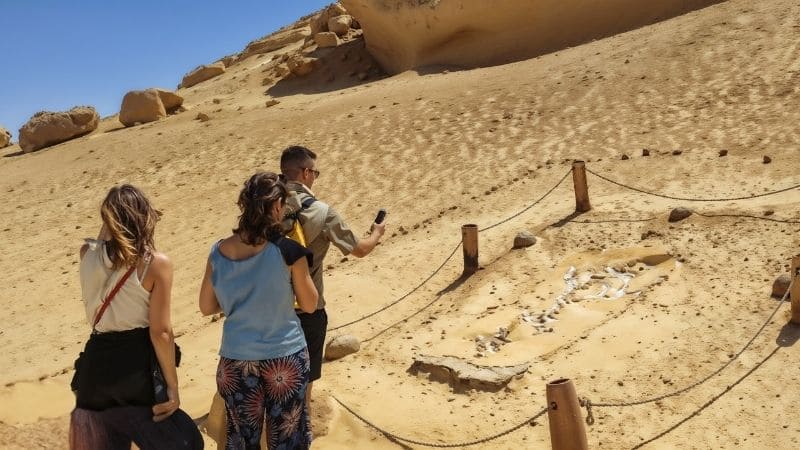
point(444, 149)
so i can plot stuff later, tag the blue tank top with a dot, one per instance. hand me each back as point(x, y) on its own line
point(257, 298)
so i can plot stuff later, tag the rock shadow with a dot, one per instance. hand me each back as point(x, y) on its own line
point(336, 68)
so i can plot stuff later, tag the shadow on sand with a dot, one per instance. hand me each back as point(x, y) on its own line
point(337, 68)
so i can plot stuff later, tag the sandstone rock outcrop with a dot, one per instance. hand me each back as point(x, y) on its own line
point(141, 107)
point(276, 41)
point(47, 128)
point(320, 23)
point(340, 24)
point(171, 100)
point(301, 66)
point(148, 106)
point(404, 34)
point(203, 73)
point(326, 39)
point(5, 138)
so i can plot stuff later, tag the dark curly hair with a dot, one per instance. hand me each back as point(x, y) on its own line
point(259, 194)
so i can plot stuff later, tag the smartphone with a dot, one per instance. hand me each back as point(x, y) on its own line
point(381, 215)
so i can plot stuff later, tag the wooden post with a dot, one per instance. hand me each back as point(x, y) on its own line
point(564, 414)
point(581, 187)
point(469, 242)
point(795, 293)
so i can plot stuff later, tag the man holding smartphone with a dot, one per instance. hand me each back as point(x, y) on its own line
point(322, 226)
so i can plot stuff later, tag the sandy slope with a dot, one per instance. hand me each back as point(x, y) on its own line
point(475, 146)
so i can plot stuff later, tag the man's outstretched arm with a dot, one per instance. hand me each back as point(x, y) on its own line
point(366, 245)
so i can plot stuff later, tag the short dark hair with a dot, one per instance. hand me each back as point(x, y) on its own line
point(260, 192)
point(295, 158)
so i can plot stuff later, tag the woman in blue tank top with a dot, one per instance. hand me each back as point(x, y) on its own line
point(253, 276)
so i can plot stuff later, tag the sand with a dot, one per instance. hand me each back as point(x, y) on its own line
point(476, 146)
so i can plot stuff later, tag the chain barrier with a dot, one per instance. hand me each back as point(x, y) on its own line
point(391, 435)
point(690, 199)
point(425, 281)
point(703, 380)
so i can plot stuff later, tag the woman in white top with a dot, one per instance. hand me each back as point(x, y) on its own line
point(126, 286)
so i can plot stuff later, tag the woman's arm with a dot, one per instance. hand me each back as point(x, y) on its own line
point(208, 299)
point(161, 333)
point(304, 289)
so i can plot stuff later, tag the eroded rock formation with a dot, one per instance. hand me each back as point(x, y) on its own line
point(405, 34)
point(47, 128)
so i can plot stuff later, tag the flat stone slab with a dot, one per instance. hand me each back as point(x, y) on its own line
point(461, 374)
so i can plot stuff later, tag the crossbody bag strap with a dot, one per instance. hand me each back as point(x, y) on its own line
point(111, 296)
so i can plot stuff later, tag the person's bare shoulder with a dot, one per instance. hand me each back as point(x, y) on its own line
point(161, 264)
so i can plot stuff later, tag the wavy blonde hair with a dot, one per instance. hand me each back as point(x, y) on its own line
point(131, 222)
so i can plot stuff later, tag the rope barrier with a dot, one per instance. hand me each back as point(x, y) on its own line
point(585, 402)
point(713, 374)
point(441, 266)
point(690, 199)
point(529, 206)
point(710, 402)
point(391, 435)
point(613, 220)
point(438, 269)
point(748, 216)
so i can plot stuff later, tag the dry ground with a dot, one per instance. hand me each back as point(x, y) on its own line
point(449, 148)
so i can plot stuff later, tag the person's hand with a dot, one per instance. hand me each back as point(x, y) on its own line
point(163, 410)
point(378, 228)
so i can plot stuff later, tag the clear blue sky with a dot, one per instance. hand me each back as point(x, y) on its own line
point(57, 54)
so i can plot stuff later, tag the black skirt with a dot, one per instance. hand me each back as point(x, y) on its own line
point(114, 369)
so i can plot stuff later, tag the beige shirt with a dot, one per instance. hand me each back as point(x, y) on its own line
point(130, 307)
point(322, 226)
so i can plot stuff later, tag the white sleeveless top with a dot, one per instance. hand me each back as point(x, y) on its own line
point(130, 307)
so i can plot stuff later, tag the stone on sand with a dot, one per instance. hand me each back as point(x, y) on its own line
point(5, 138)
point(461, 374)
point(524, 239)
point(141, 107)
point(47, 128)
point(341, 346)
point(781, 284)
point(679, 214)
point(203, 73)
point(172, 101)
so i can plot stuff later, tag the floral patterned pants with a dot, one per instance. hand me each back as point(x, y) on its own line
point(271, 389)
